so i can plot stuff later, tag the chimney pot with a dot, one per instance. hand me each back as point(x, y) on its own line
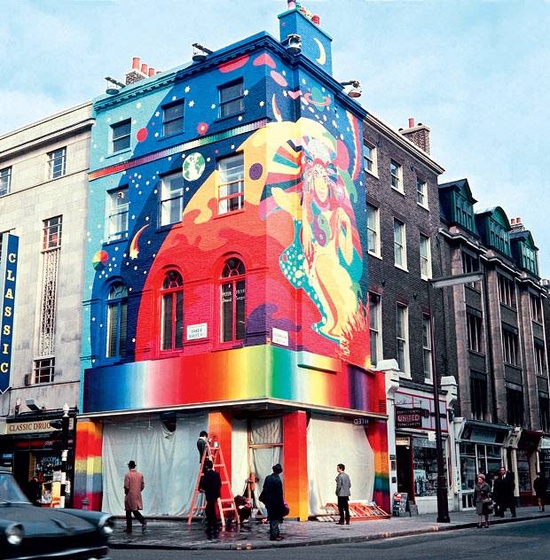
point(144, 68)
point(136, 61)
point(151, 72)
point(411, 122)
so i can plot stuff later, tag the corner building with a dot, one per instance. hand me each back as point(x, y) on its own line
point(226, 279)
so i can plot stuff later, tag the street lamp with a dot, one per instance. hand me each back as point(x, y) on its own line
point(442, 500)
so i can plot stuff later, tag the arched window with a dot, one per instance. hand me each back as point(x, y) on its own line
point(117, 313)
point(233, 298)
point(172, 311)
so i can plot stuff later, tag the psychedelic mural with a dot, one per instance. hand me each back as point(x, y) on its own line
point(299, 234)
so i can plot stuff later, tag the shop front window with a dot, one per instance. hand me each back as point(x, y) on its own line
point(425, 467)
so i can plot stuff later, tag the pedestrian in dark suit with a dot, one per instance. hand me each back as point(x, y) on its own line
point(211, 485)
point(343, 491)
point(273, 498)
point(540, 485)
point(134, 484)
point(503, 490)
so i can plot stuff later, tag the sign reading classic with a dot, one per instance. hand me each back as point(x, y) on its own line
point(8, 276)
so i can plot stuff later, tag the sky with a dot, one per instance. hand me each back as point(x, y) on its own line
point(476, 72)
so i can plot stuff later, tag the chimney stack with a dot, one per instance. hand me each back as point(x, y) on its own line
point(517, 224)
point(138, 71)
point(418, 134)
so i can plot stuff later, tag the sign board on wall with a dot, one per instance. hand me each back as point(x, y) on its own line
point(8, 277)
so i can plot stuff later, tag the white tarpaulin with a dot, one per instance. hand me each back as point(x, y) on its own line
point(168, 460)
point(330, 442)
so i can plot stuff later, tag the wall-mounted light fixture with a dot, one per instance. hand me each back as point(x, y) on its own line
point(354, 90)
point(34, 405)
point(112, 82)
point(293, 43)
point(200, 52)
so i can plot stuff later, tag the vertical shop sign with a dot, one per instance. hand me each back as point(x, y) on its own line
point(8, 276)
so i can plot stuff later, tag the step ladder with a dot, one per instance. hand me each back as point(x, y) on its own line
point(226, 503)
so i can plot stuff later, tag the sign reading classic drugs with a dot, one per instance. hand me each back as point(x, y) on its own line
point(8, 276)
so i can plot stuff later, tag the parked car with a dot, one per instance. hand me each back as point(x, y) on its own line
point(28, 532)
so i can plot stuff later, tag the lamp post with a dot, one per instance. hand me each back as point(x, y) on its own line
point(442, 500)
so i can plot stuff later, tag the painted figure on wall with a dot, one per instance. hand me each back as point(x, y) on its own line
point(326, 250)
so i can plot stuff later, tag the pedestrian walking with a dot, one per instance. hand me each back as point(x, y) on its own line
point(273, 497)
point(503, 489)
point(482, 501)
point(343, 491)
point(134, 483)
point(211, 485)
point(540, 485)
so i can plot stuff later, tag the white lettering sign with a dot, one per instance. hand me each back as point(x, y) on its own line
point(278, 336)
point(195, 332)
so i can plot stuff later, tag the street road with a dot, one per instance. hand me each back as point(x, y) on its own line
point(510, 541)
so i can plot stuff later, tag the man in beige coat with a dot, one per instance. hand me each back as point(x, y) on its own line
point(133, 502)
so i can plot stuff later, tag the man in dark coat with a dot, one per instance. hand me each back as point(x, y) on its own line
point(503, 492)
point(540, 485)
point(211, 485)
point(273, 498)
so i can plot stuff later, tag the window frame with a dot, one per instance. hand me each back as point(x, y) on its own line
point(425, 257)
point(117, 214)
point(510, 347)
point(226, 105)
point(427, 350)
point(5, 180)
point(506, 291)
point(402, 339)
point(177, 121)
point(171, 204)
point(52, 231)
point(400, 245)
point(43, 370)
point(474, 328)
point(57, 163)
point(422, 193)
point(120, 136)
point(375, 327)
point(373, 230)
point(233, 317)
point(116, 335)
point(396, 176)
point(370, 159)
point(172, 291)
point(226, 183)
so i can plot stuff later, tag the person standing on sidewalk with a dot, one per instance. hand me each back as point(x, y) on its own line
point(134, 484)
point(482, 501)
point(503, 488)
point(211, 485)
point(343, 491)
point(273, 497)
point(540, 485)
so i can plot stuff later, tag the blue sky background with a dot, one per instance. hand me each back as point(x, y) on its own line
point(476, 72)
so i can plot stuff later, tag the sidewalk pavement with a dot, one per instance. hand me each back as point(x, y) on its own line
point(176, 534)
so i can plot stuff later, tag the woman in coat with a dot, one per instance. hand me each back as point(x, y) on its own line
point(482, 501)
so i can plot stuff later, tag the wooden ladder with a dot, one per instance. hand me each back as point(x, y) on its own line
point(226, 503)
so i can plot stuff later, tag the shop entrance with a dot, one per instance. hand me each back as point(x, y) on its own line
point(404, 460)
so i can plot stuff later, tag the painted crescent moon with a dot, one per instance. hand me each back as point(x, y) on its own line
point(322, 53)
